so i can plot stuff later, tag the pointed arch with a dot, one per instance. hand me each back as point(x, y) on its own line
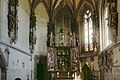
point(46, 7)
point(82, 3)
point(59, 9)
point(17, 79)
point(85, 7)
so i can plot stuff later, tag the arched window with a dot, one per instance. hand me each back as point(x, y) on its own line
point(88, 31)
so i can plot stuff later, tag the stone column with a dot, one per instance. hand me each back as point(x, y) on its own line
point(13, 20)
point(50, 33)
point(114, 21)
point(32, 32)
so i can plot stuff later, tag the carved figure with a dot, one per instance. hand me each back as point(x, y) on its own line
point(12, 20)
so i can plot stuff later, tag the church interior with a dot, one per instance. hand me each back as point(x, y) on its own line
point(59, 40)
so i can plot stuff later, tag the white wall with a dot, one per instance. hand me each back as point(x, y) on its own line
point(41, 46)
point(23, 26)
point(0, 18)
point(15, 68)
point(42, 20)
point(4, 21)
point(16, 57)
point(23, 29)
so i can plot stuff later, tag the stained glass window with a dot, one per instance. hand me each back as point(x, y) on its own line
point(88, 31)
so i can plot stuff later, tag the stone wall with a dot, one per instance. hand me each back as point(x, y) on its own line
point(19, 59)
point(19, 65)
point(109, 63)
point(23, 29)
point(107, 73)
point(4, 22)
point(0, 18)
point(42, 20)
point(118, 10)
point(0, 73)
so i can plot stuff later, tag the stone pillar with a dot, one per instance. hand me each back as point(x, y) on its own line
point(114, 20)
point(13, 20)
point(32, 32)
point(50, 33)
point(0, 73)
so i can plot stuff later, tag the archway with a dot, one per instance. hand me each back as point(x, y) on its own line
point(86, 71)
point(17, 79)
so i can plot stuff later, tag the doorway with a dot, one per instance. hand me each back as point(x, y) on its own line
point(17, 79)
point(86, 71)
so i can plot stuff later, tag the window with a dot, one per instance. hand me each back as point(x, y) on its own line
point(88, 31)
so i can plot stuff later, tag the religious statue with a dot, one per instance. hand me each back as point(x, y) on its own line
point(114, 20)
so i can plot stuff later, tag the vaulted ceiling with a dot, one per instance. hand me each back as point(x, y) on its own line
point(53, 6)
